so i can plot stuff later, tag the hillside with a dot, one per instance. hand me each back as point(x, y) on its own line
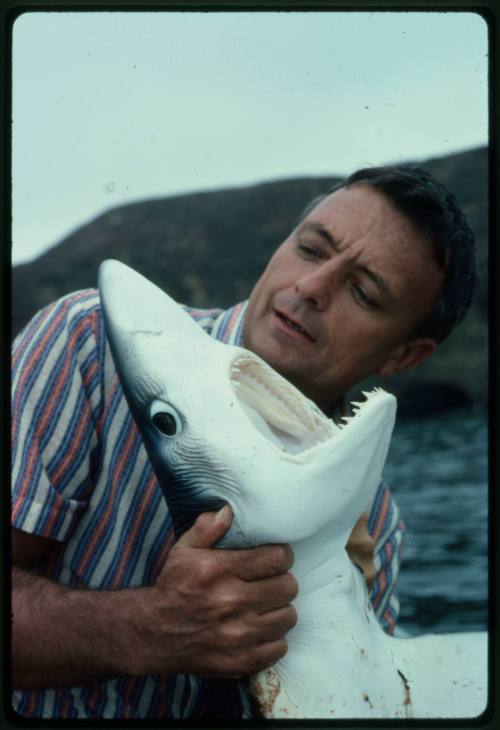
point(208, 248)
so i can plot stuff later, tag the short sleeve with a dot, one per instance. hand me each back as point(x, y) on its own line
point(56, 403)
point(387, 528)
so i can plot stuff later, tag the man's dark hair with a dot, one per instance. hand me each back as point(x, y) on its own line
point(434, 212)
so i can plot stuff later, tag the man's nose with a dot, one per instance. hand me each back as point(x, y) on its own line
point(319, 285)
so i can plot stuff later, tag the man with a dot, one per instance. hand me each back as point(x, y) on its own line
point(110, 620)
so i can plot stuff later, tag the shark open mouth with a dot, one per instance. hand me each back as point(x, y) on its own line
point(277, 409)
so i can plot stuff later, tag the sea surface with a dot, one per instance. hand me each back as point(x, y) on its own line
point(437, 469)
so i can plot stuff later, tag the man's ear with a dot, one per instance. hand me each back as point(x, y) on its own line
point(407, 356)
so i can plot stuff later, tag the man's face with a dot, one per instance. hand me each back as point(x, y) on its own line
point(340, 296)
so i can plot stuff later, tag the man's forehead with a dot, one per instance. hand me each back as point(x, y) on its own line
point(361, 211)
point(347, 203)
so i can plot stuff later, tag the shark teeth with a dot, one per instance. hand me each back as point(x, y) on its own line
point(275, 400)
point(356, 406)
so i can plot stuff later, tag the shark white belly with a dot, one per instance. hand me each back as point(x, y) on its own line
point(220, 426)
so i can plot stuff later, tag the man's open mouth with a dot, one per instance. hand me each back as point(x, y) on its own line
point(293, 325)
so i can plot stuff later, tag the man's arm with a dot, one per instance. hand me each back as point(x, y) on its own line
point(211, 612)
point(387, 530)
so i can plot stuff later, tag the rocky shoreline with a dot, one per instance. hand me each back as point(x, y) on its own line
point(208, 248)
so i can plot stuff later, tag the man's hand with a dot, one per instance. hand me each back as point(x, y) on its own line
point(361, 547)
point(212, 612)
point(218, 613)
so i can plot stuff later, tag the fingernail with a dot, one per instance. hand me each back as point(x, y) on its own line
point(223, 514)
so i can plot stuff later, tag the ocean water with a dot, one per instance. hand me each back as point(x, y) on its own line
point(437, 469)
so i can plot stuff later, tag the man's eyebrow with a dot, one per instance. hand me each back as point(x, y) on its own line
point(321, 231)
point(378, 280)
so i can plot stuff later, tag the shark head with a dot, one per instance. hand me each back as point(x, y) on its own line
point(221, 426)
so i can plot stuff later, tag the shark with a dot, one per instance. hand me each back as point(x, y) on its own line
point(220, 426)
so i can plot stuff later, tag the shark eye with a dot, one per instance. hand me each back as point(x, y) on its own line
point(165, 419)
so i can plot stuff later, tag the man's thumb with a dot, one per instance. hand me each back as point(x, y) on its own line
point(208, 529)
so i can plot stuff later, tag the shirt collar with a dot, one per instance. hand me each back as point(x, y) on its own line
point(228, 326)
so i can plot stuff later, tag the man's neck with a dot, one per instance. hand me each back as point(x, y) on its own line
point(337, 409)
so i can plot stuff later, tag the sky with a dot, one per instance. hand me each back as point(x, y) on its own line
point(110, 108)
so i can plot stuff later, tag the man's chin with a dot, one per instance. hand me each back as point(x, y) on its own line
point(288, 358)
point(295, 372)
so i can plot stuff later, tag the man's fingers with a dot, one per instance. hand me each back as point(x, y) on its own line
point(361, 547)
point(249, 564)
point(251, 630)
point(254, 659)
point(267, 654)
point(273, 593)
point(360, 539)
point(231, 607)
point(273, 625)
point(208, 529)
point(261, 562)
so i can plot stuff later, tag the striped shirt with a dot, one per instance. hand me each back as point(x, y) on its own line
point(81, 477)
